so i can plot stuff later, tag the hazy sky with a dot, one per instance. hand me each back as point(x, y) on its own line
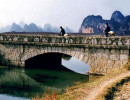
point(58, 12)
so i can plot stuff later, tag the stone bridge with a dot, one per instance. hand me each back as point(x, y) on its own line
point(100, 53)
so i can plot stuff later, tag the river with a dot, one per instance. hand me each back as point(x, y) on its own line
point(22, 83)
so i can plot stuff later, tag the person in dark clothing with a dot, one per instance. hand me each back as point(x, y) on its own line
point(107, 29)
point(62, 33)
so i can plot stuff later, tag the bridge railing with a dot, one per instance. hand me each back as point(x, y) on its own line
point(86, 40)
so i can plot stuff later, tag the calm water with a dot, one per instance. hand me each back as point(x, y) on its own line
point(22, 84)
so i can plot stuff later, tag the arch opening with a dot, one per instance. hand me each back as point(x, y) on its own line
point(52, 61)
point(57, 61)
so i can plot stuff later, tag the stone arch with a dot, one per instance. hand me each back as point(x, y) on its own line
point(68, 51)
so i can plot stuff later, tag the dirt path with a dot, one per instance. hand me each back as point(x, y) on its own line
point(100, 89)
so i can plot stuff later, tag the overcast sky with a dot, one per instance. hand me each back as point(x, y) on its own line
point(58, 12)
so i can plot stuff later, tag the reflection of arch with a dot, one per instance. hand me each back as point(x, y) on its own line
point(60, 79)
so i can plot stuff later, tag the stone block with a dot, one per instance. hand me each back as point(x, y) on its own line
point(36, 39)
point(94, 41)
point(114, 57)
point(119, 43)
point(56, 49)
point(71, 41)
point(1, 38)
point(113, 51)
point(123, 57)
point(127, 42)
point(44, 40)
point(53, 40)
point(25, 39)
point(81, 56)
point(126, 52)
point(105, 56)
point(89, 62)
point(49, 49)
point(77, 55)
point(103, 41)
point(85, 59)
point(68, 51)
point(124, 62)
point(109, 42)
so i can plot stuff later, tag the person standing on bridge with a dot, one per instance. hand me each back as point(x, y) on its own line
point(107, 29)
point(62, 33)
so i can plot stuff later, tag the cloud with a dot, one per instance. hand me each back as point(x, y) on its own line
point(58, 12)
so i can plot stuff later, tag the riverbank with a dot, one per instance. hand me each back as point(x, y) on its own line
point(105, 90)
point(95, 90)
point(98, 89)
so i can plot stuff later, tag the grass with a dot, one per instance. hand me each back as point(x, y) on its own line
point(47, 96)
point(82, 89)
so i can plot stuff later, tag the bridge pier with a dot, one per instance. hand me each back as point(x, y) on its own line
point(102, 61)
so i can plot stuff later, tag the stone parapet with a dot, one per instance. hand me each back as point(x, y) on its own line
point(81, 41)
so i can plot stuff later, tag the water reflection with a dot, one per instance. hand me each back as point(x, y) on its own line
point(26, 83)
point(29, 82)
point(7, 97)
point(75, 65)
point(56, 79)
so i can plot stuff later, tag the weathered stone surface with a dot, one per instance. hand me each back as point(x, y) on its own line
point(123, 57)
point(98, 52)
point(114, 57)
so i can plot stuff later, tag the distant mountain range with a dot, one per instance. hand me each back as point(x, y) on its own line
point(96, 24)
point(22, 27)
